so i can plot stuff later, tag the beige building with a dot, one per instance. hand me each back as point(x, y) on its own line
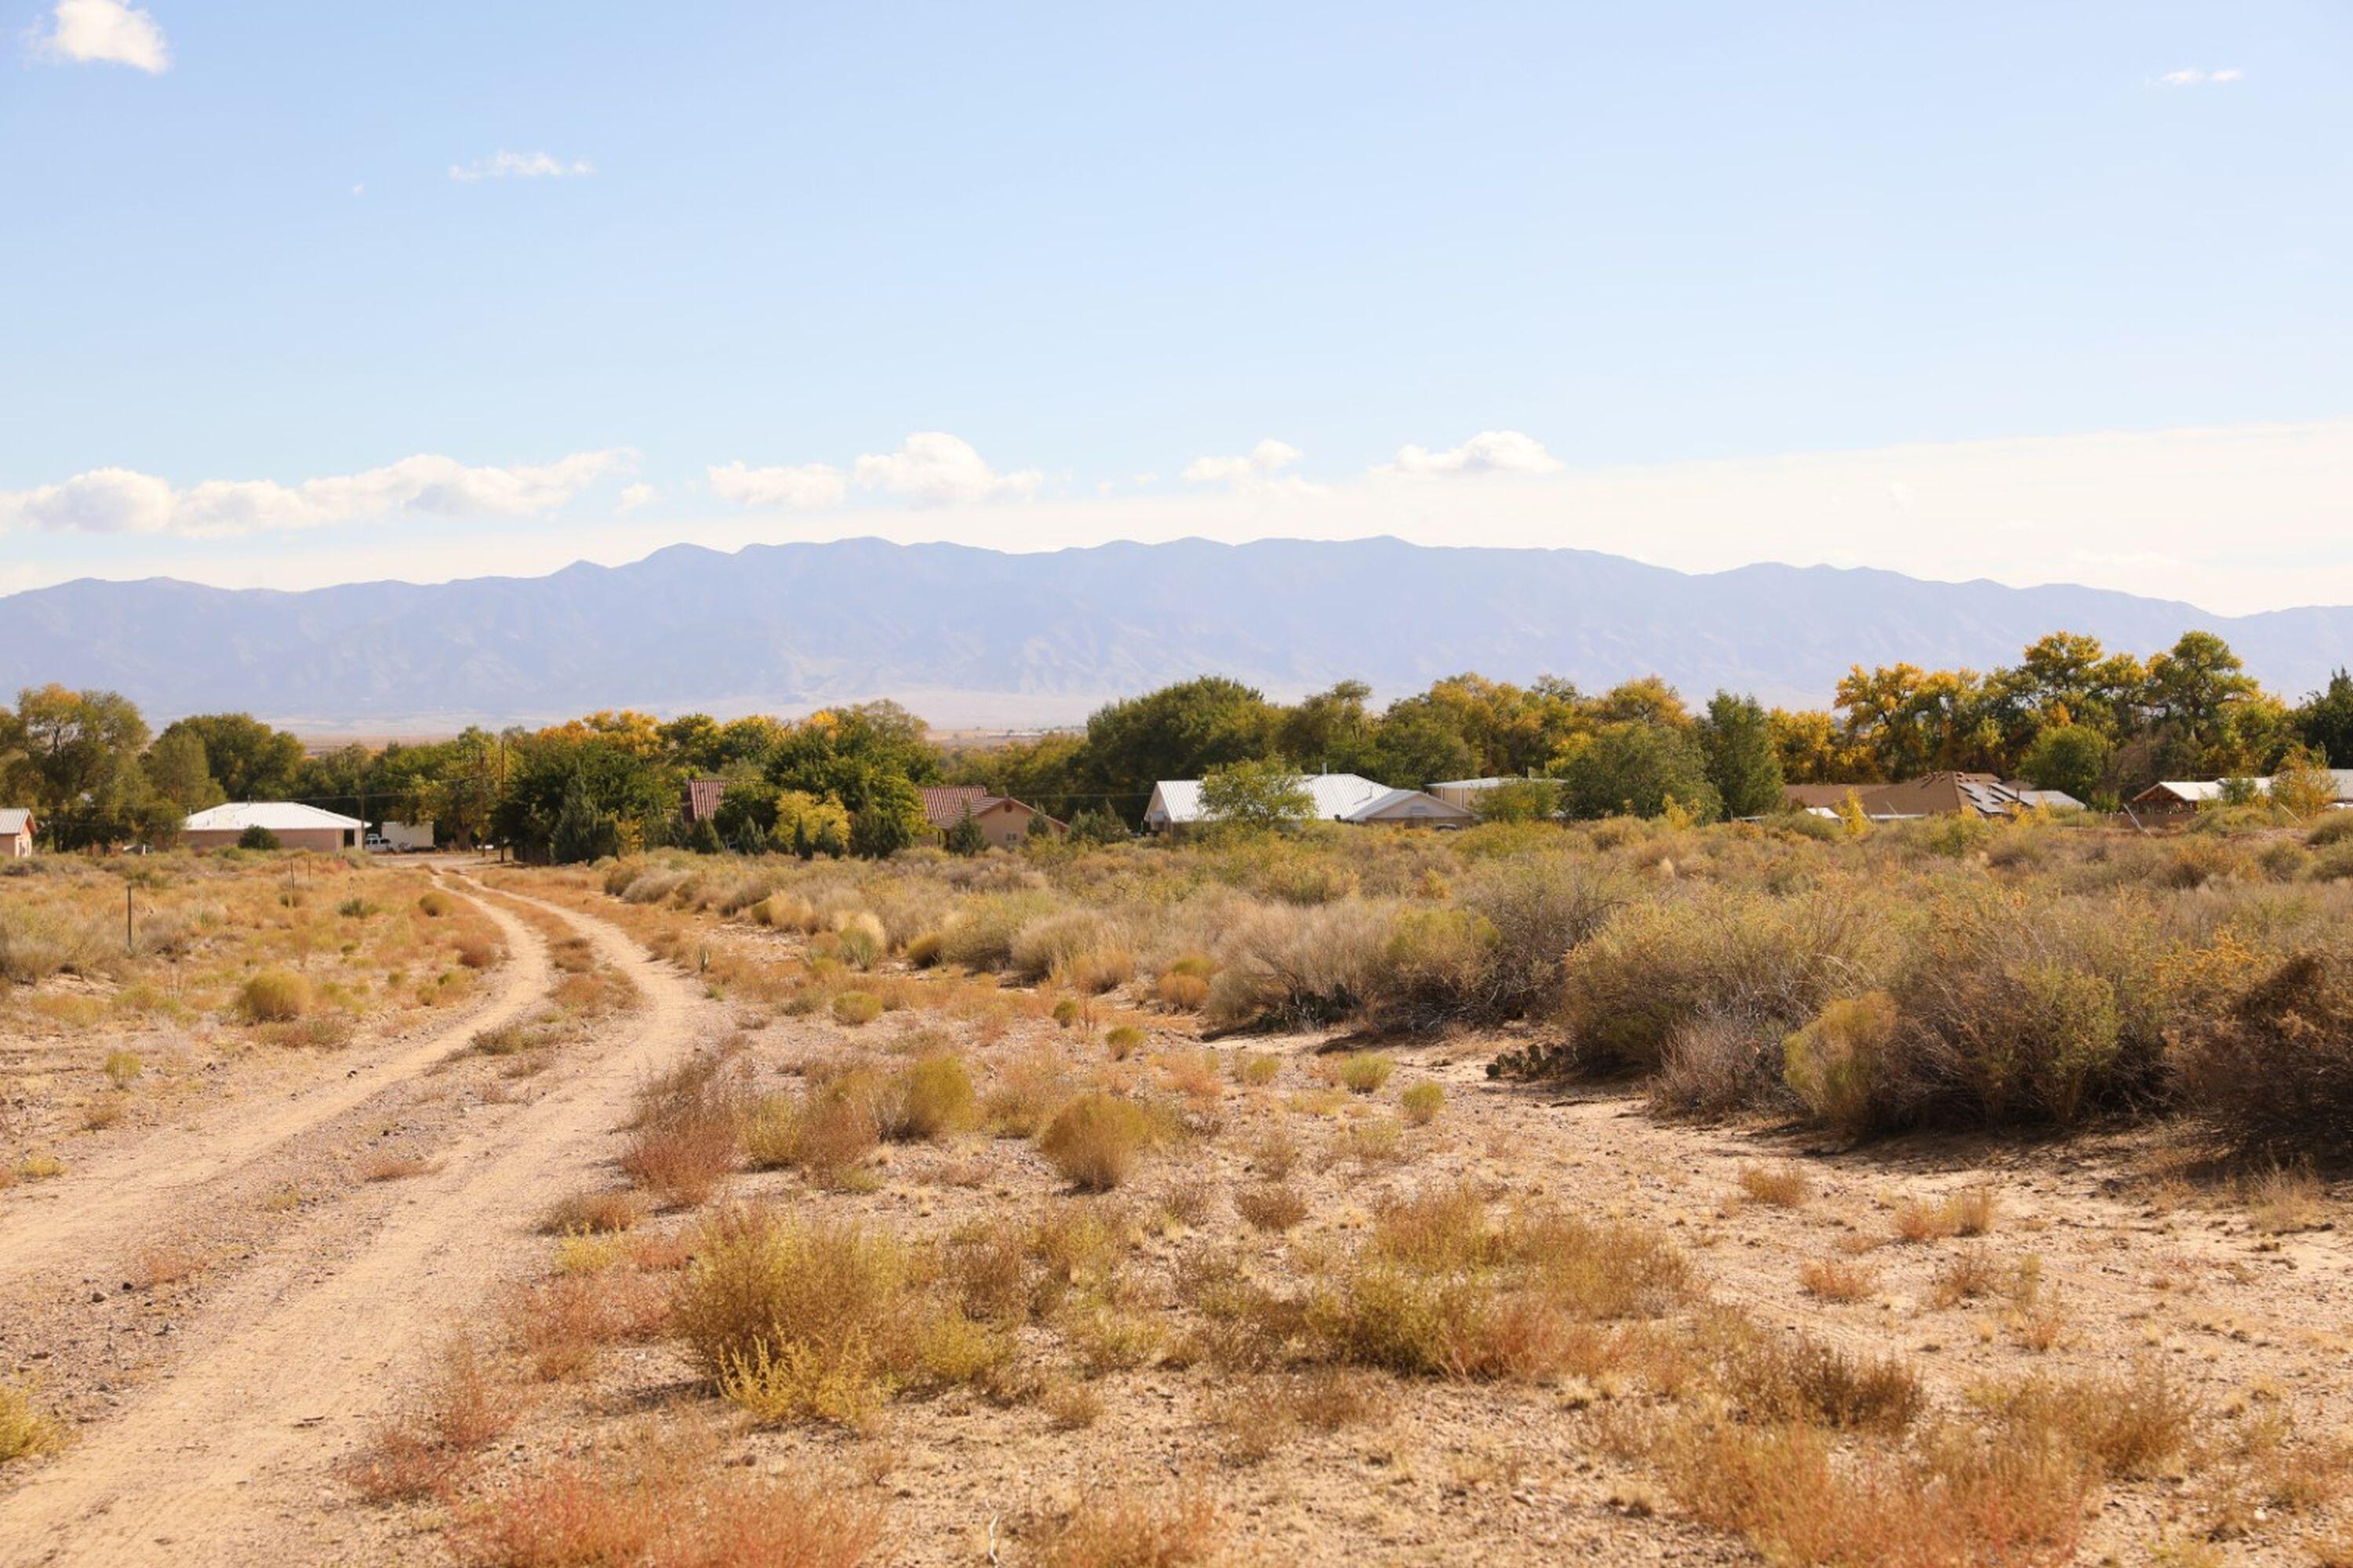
point(17, 828)
point(293, 826)
point(1003, 821)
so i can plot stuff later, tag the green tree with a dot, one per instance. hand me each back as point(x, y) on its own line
point(176, 769)
point(1419, 745)
point(964, 837)
point(2325, 723)
point(1258, 795)
point(1518, 801)
point(1178, 732)
point(2302, 786)
point(1635, 769)
point(886, 815)
point(583, 831)
point(2070, 756)
point(810, 825)
point(2192, 688)
point(247, 758)
point(1743, 762)
point(1329, 732)
point(1098, 825)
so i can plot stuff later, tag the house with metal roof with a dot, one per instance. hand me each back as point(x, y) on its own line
point(2167, 795)
point(293, 824)
point(1334, 797)
point(17, 830)
point(1930, 795)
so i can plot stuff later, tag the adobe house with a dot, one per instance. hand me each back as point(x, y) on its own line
point(1003, 821)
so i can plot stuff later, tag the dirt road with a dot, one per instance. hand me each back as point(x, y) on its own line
point(104, 1203)
point(224, 1460)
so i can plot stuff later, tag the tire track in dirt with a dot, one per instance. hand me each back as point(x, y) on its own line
point(226, 1460)
point(93, 1207)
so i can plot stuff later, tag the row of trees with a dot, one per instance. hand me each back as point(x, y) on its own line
point(2068, 715)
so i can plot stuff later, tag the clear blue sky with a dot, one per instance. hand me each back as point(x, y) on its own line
point(1096, 242)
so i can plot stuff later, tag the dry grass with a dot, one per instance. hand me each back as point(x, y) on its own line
point(167, 1263)
point(25, 1431)
point(665, 1513)
point(1270, 1205)
point(2283, 1199)
point(687, 1134)
point(1123, 1529)
point(393, 1167)
point(793, 1319)
point(1836, 1279)
point(425, 1449)
point(1968, 1212)
point(593, 1213)
point(1777, 1186)
point(563, 1323)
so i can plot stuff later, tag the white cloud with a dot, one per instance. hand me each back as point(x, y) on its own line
point(107, 32)
point(935, 469)
point(503, 165)
point(1263, 460)
point(1488, 451)
point(2193, 77)
point(633, 497)
point(802, 489)
point(122, 501)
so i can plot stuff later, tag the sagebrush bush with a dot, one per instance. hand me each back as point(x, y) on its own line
point(856, 1007)
point(1842, 1067)
point(934, 1097)
point(1095, 1141)
point(2270, 1073)
point(799, 1315)
point(273, 996)
point(1658, 966)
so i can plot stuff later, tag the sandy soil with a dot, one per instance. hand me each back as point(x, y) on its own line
point(219, 1453)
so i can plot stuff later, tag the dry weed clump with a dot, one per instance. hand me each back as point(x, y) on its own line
point(1270, 1205)
point(1836, 1279)
point(1123, 1529)
point(1948, 1499)
point(564, 1322)
point(792, 1318)
point(2269, 1072)
point(1780, 1187)
point(686, 1135)
point(1096, 1139)
point(594, 1213)
point(1259, 1417)
point(663, 1512)
point(1441, 1287)
point(1969, 1211)
point(275, 996)
point(1420, 1103)
point(424, 1450)
point(25, 1431)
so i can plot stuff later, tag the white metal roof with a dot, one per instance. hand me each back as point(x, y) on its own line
point(277, 816)
point(1338, 797)
point(13, 820)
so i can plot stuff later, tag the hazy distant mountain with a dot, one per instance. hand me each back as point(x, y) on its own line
point(977, 637)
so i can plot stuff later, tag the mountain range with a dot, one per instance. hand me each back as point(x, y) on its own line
point(977, 638)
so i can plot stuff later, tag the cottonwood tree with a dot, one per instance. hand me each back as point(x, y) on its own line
point(1258, 795)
